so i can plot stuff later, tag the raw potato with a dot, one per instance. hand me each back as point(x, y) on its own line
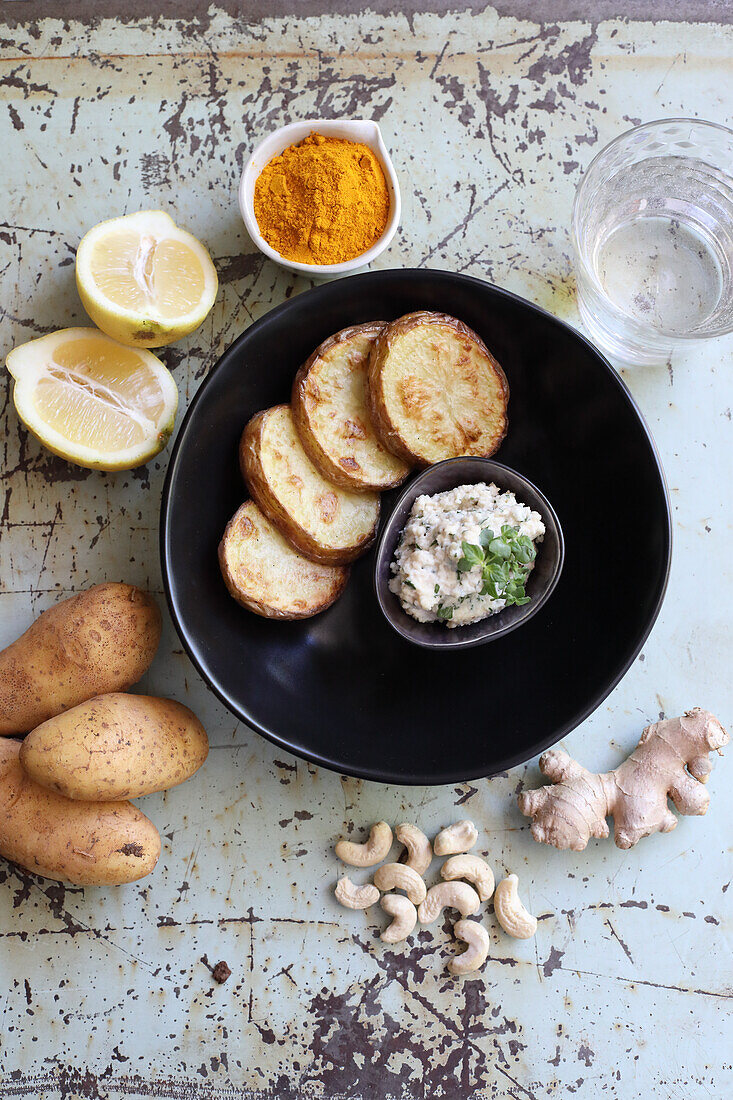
point(266, 575)
point(332, 418)
point(84, 843)
point(435, 390)
point(327, 524)
point(102, 640)
point(115, 747)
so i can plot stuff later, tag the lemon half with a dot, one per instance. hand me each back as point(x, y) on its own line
point(93, 401)
point(144, 281)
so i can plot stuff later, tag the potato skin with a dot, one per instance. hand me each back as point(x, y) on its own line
point(84, 843)
point(115, 747)
point(102, 640)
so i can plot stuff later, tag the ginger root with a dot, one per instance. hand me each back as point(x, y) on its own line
point(671, 760)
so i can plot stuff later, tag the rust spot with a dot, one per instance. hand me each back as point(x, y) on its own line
point(553, 962)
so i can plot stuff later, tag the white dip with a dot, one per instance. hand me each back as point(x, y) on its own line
point(426, 575)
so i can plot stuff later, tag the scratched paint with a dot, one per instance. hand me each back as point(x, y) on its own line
point(626, 990)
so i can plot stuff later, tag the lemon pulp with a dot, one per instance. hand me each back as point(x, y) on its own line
point(140, 273)
point(92, 400)
point(144, 281)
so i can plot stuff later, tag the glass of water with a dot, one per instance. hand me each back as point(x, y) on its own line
point(653, 238)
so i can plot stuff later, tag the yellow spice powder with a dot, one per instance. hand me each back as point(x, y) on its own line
point(322, 201)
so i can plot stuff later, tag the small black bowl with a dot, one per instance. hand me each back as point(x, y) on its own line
point(542, 579)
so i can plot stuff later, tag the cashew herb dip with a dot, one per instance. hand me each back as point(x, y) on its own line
point(465, 554)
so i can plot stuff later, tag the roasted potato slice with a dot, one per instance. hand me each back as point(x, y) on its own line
point(327, 524)
point(332, 418)
point(435, 390)
point(264, 573)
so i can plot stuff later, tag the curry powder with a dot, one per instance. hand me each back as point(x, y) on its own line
point(322, 201)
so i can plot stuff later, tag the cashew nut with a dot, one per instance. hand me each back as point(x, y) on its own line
point(419, 852)
point(405, 917)
point(474, 869)
point(474, 957)
point(456, 838)
point(448, 895)
point(355, 897)
point(366, 855)
point(398, 876)
point(510, 913)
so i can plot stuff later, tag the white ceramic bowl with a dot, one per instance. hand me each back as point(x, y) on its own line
point(365, 131)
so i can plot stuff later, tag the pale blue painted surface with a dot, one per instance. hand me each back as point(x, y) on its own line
point(626, 989)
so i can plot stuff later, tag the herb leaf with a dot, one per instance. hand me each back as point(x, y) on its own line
point(500, 548)
point(472, 555)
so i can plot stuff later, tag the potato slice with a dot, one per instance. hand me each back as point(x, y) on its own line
point(332, 418)
point(327, 524)
point(264, 573)
point(435, 390)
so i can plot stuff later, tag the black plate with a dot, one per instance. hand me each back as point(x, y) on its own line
point(344, 689)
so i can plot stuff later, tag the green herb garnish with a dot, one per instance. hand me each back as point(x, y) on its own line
point(472, 555)
point(505, 561)
point(444, 613)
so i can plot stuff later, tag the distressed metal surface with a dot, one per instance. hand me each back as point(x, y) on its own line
point(626, 990)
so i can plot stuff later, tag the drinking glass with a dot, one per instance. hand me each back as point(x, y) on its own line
point(653, 238)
